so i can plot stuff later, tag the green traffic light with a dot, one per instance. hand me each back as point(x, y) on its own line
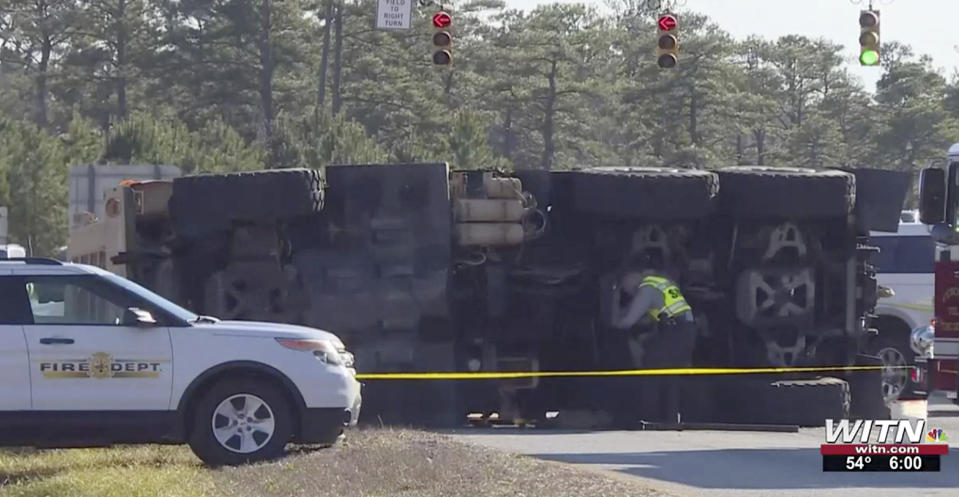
point(869, 57)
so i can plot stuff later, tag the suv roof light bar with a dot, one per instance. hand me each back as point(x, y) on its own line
point(44, 261)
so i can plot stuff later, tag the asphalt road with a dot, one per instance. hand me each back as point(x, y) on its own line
point(733, 464)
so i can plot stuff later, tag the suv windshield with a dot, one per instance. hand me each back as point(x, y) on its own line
point(157, 300)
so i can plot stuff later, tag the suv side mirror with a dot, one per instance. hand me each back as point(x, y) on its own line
point(137, 317)
point(885, 292)
point(932, 196)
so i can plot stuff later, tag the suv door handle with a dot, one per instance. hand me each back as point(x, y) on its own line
point(50, 341)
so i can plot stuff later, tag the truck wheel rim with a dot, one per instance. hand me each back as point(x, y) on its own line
point(243, 423)
point(894, 373)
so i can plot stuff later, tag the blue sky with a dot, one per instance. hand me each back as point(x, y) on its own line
point(929, 26)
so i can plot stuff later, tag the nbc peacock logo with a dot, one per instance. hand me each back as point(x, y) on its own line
point(936, 435)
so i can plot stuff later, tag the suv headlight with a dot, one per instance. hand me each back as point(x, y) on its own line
point(922, 339)
point(348, 359)
point(324, 350)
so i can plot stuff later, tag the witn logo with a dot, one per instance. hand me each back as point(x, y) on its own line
point(846, 432)
point(936, 435)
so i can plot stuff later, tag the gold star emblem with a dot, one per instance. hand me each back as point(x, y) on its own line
point(100, 365)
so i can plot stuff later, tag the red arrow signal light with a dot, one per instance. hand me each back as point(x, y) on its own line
point(667, 22)
point(442, 20)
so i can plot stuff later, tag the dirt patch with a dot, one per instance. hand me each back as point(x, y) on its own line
point(407, 463)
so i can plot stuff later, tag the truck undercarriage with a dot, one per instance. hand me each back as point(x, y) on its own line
point(421, 269)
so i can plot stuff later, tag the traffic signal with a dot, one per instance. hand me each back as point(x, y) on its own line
point(668, 49)
point(869, 37)
point(442, 39)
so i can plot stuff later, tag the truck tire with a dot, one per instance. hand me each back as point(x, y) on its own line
point(661, 194)
point(210, 202)
point(758, 192)
point(252, 441)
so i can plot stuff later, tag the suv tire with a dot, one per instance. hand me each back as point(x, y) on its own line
point(893, 349)
point(663, 194)
point(759, 192)
point(241, 440)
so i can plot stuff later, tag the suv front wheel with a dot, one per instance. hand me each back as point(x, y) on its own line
point(240, 421)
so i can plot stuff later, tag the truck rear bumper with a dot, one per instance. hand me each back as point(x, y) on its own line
point(943, 375)
point(920, 377)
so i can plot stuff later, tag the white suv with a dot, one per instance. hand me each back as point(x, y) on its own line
point(905, 265)
point(90, 359)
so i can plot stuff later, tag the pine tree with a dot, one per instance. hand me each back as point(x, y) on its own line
point(469, 143)
point(34, 165)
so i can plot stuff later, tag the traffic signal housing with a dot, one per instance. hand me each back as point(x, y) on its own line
point(668, 44)
point(869, 37)
point(442, 39)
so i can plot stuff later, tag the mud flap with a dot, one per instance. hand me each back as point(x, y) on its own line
point(880, 196)
point(772, 400)
point(865, 388)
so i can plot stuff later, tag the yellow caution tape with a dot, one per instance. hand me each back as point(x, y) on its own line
point(504, 375)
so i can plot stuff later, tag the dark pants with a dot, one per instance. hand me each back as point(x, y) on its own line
point(671, 347)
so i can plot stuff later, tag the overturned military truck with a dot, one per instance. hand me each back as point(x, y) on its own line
point(422, 269)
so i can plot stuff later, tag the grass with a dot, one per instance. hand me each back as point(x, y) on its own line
point(147, 471)
point(370, 463)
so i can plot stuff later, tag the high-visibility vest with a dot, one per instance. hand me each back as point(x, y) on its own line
point(673, 301)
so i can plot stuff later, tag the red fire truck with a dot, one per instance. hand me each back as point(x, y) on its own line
point(939, 207)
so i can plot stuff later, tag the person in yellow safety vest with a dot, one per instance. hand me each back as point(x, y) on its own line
point(657, 305)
